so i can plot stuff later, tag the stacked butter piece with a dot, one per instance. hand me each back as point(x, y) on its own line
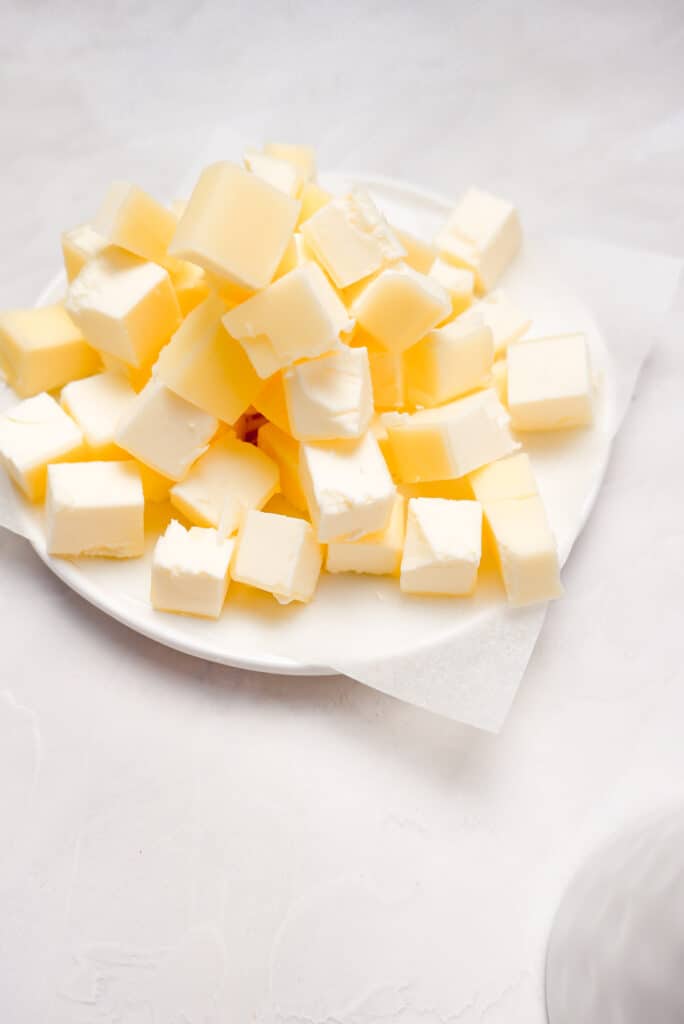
point(307, 386)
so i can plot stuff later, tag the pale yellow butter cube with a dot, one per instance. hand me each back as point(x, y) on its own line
point(134, 221)
point(511, 477)
point(550, 384)
point(124, 306)
point(330, 398)
point(165, 431)
point(42, 349)
point(297, 317)
point(98, 404)
point(351, 239)
point(191, 571)
point(450, 361)
point(95, 509)
point(230, 477)
point(300, 156)
point(34, 434)
point(525, 547)
point(235, 225)
point(313, 198)
point(377, 554)
point(506, 322)
point(80, 245)
point(482, 234)
point(284, 451)
point(278, 554)
point(443, 547)
point(451, 440)
point(420, 255)
point(282, 174)
point(348, 487)
point(272, 404)
point(458, 282)
point(400, 306)
point(207, 367)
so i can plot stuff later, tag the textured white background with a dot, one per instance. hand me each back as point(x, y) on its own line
point(184, 844)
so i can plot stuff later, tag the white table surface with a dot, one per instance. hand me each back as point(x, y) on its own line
point(186, 844)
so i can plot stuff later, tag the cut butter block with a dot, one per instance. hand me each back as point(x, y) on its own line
point(300, 156)
point(506, 322)
point(278, 554)
point(207, 367)
point(378, 554)
point(458, 282)
point(330, 398)
point(124, 306)
point(297, 317)
point(386, 371)
point(448, 362)
point(235, 225)
point(506, 478)
point(134, 221)
point(549, 383)
point(80, 245)
point(95, 509)
point(400, 306)
point(282, 174)
point(33, 434)
point(482, 234)
point(98, 404)
point(190, 571)
point(272, 404)
point(312, 198)
point(443, 547)
point(500, 380)
point(284, 450)
point(351, 239)
point(525, 548)
point(230, 477)
point(190, 285)
point(451, 440)
point(165, 431)
point(419, 254)
point(348, 487)
point(42, 349)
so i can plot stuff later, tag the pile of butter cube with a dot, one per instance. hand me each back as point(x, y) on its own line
point(307, 386)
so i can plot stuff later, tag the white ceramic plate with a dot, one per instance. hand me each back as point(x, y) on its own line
point(367, 615)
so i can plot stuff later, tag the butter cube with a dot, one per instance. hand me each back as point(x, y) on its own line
point(351, 239)
point(297, 317)
point(134, 221)
point(506, 322)
point(400, 306)
point(190, 571)
point(451, 440)
point(98, 404)
point(95, 509)
point(500, 380)
point(165, 431)
point(443, 547)
point(282, 174)
point(124, 306)
point(525, 547)
point(207, 367)
point(348, 487)
point(272, 404)
point(448, 362)
point(312, 198)
point(232, 476)
point(33, 434)
point(549, 383)
point(278, 554)
point(301, 157)
point(330, 398)
point(482, 234)
point(190, 285)
point(284, 451)
point(386, 371)
point(419, 254)
point(378, 554)
point(511, 477)
point(458, 282)
point(42, 349)
point(80, 245)
point(235, 225)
